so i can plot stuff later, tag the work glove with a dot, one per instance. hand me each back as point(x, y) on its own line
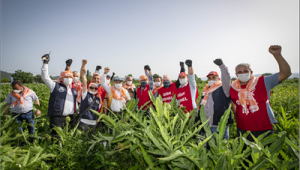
point(46, 58)
point(188, 63)
point(98, 68)
point(181, 64)
point(218, 61)
point(147, 67)
point(69, 62)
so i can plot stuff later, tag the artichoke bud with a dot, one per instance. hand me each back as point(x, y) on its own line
point(68, 119)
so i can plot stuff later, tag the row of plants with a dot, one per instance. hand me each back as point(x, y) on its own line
point(166, 139)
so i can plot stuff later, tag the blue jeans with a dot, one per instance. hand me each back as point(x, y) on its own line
point(29, 118)
point(226, 134)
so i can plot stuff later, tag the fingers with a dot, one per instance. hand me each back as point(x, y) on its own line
point(84, 62)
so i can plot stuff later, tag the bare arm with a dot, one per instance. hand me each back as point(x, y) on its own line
point(83, 76)
point(191, 70)
point(6, 111)
point(284, 67)
point(37, 112)
point(233, 107)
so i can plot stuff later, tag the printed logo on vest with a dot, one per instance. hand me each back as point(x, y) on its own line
point(90, 100)
point(75, 92)
point(97, 101)
point(61, 89)
point(181, 94)
point(167, 93)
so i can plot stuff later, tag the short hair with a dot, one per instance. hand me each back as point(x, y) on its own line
point(74, 72)
point(158, 77)
point(243, 65)
point(128, 77)
point(18, 82)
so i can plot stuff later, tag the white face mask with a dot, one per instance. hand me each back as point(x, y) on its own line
point(17, 91)
point(183, 81)
point(68, 81)
point(157, 84)
point(129, 83)
point(244, 77)
point(93, 92)
point(75, 79)
point(118, 86)
point(211, 82)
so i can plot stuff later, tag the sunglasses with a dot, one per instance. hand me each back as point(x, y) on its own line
point(94, 88)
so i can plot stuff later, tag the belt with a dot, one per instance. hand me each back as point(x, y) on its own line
point(26, 112)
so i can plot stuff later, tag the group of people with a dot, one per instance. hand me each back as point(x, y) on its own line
point(248, 95)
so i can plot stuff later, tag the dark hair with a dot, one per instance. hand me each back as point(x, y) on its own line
point(158, 77)
point(18, 82)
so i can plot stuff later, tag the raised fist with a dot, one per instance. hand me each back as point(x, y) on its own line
point(98, 68)
point(69, 62)
point(218, 61)
point(46, 58)
point(275, 49)
point(147, 67)
point(181, 64)
point(84, 62)
point(113, 73)
point(188, 63)
point(106, 70)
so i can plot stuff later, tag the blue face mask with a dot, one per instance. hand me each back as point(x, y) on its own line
point(167, 84)
point(143, 83)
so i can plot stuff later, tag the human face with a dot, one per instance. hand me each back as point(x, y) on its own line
point(182, 77)
point(213, 78)
point(76, 75)
point(96, 79)
point(67, 76)
point(17, 87)
point(129, 79)
point(93, 88)
point(243, 70)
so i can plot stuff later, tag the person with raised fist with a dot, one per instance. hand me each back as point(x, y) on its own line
point(143, 90)
point(117, 95)
point(187, 91)
point(251, 94)
point(90, 99)
point(63, 97)
point(216, 98)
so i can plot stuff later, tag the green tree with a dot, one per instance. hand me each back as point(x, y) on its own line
point(25, 77)
point(266, 74)
point(88, 75)
point(129, 75)
point(198, 79)
point(38, 79)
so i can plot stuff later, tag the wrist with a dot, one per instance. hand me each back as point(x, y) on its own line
point(277, 55)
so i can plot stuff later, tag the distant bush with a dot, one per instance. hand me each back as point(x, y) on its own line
point(5, 80)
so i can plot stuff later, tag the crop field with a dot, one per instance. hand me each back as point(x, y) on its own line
point(167, 139)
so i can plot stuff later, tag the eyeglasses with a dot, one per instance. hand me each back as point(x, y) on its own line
point(94, 88)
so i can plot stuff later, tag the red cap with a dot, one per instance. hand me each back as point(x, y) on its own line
point(212, 73)
point(182, 74)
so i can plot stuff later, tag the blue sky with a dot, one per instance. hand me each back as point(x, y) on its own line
point(126, 35)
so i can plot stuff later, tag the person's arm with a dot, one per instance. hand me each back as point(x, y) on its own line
point(45, 76)
point(284, 67)
point(6, 111)
point(83, 76)
point(225, 76)
point(191, 74)
point(38, 112)
point(150, 77)
point(68, 64)
point(112, 76)
point(105, 86)
point(233, 107)
point(127, 98)
point(182, 69)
